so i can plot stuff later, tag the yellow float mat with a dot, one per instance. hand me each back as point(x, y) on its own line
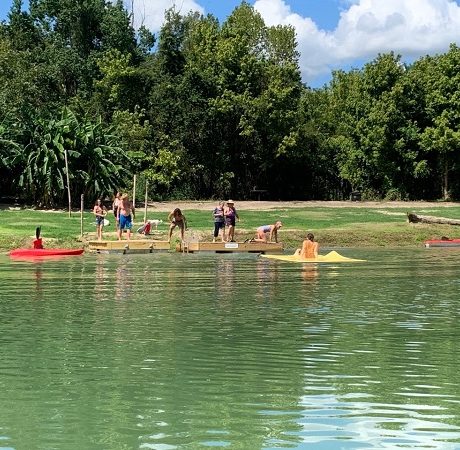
point(331, 257)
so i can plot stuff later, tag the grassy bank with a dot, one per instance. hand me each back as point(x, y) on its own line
point(332, 226)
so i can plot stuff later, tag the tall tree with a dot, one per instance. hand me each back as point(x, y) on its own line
point(442, 136)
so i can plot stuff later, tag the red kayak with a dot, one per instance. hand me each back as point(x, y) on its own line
point(442, 243)
point(44, 252)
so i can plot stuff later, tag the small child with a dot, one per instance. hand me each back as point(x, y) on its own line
point(38, 243)
point(145, 229)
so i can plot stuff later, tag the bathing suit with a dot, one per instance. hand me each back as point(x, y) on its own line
point(178, 222)
point(264, 228)
point(99, 220)
point(310, 247)
point(125, 222)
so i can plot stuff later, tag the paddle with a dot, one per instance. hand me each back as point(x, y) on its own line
point(37, 232)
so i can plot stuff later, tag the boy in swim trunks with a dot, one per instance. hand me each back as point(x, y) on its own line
point(125, 209)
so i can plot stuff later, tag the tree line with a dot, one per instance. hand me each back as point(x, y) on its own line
point(206, 109)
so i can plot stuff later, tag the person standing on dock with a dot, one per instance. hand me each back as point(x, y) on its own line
point(100, 213)
point(266, 233)
point(115, 205)
point(125, 210)
point(219, 221)
point(309, 248)
point(177, 219)
point(231, 216)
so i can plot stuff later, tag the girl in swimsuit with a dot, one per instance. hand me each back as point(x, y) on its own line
point(309, 248)
point(177, 219)
point(266, 233)
point(100, 212)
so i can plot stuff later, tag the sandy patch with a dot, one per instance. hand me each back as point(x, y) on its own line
point(209, 205)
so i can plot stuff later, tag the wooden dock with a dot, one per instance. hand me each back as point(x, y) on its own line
point(230, 247)
point(131, 246)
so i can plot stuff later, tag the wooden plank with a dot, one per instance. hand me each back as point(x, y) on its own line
point(131, 246)
point(231, 247)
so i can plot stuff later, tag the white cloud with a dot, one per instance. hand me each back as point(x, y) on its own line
point(151, 12)
point(367, 27)
point(411, 28)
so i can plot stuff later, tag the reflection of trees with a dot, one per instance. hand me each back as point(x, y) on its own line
point(225, 348)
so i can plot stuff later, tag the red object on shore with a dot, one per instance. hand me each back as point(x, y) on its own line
point(442, 243)
point(44, 252)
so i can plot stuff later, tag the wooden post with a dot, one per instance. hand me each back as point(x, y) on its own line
point(68, 182)
point(134, 192)
point(82, 202)
point(146, 200)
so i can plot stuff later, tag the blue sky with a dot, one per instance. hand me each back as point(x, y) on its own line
point(333, 34)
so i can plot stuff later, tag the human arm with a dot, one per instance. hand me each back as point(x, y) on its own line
point(273, 233)
point(170, 216)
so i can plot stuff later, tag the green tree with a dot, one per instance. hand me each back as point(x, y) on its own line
point(93, 154)
point(442, 135)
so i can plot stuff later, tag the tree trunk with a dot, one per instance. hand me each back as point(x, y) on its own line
point(445, 180)
point(414, 218)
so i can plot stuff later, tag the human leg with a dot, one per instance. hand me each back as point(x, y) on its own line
point(231, 232)
point(171, 228)
point(216, 230)
point(222, 225)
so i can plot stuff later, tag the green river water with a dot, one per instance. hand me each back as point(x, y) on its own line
point(171, 351)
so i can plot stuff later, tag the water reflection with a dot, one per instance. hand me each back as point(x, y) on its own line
point(310, 273)
point(193, 351)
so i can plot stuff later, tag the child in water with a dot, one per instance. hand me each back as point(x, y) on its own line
point(309, 248)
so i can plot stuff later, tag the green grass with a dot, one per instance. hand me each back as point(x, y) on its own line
point(355, 226)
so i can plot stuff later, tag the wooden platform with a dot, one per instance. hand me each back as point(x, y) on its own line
point(230, 247)
point(131, 246)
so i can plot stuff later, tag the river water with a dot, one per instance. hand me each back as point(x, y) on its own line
point(172, 351)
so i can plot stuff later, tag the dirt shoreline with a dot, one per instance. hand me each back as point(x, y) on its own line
point(206, 205)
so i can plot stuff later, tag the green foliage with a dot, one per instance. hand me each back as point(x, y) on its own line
point(92, 156)
point(213, 110)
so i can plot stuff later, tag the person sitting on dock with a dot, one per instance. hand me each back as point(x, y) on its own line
point(266, 233)
point(125, 210)
point(177, 219)
point(309, 248)
point(219, 221)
